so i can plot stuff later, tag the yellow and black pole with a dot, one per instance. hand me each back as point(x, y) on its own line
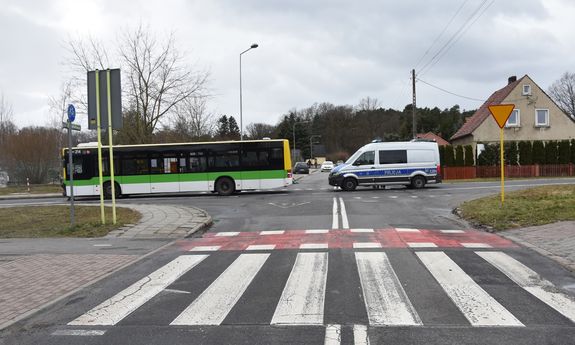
point(501, 113)
point(99, 131)
point(110, 147)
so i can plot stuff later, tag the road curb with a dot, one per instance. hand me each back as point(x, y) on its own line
point(568, 264)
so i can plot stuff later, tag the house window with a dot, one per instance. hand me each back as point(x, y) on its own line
point(541, 117)
point(526, 90)
point(513, 120)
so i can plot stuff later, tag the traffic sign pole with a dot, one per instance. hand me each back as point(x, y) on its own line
point(501, 113)
point(71, 173)
point(111, 165)
point(99, 130)
point(501, 151)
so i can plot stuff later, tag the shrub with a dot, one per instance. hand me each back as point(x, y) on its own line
point(573, 151)
point(538, 152)
point(449, 157)
point(459, 162)
point(563, 156)
point(551, 152)
point(489, 156)
point(442, 154)
point(525, 153)
point(511, 152)
point(469, 161)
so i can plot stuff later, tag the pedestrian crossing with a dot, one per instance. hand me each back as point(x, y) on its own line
point(298, 286)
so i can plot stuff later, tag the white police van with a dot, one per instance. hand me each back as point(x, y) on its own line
point(412, 163)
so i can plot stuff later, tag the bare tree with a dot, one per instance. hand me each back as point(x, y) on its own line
point(7, 127)
point(193, 119)
point(59, 104)
point(563, 93)
point(260, 130)
point(158, 80)
point(368, 104)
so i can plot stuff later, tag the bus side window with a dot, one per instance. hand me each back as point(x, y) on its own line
point(197, 162)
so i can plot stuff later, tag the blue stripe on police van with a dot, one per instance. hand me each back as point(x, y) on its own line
point(393, 172)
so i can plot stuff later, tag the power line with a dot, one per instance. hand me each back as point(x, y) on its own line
point(456, 35)
point(441, 34)
point(457, 38)
point(449, 92)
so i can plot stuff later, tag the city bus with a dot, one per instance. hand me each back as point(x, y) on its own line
point(224, 167)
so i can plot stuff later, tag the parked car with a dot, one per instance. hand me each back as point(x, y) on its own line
point(300, 168)
point(327, 166)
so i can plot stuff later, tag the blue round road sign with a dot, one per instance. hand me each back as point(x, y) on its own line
point(71, 113)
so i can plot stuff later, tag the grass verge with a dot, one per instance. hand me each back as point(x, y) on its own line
point(535, 206)
point(34, 189)
point(54, 221)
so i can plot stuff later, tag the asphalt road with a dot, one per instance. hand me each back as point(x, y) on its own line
point(314, 265)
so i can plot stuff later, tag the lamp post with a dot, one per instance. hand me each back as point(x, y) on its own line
point(253, 46)
point(293, 132)
point(311, 145)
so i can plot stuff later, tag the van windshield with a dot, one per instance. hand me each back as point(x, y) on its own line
point(353, 158)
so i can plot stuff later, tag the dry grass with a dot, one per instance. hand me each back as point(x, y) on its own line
point(54, 221)
point(535, 206)
point(34, 189)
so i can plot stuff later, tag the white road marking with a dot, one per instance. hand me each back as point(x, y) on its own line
point(421, 245)
point(477, 306)
point(393, 196)
point(335, 221)
point(205, 249)
point(113, 310)
point(406, 230)
point(313, 246)
point(361, 230)
point(452, 231)
point(102, 245)
point(385, 300)
point(476, 245)
point(344, 221)
point(272, 232)
point(362, 245)
point(360, 336)
point(214, 304)
point(261, 247)
point(532, 283)
point(322, 231)
point(303, 297)
point(332, 335)
point(227, 233)
point(79, 332)
point(414, 196)
point(177, 291)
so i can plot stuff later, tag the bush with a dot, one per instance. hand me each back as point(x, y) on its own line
point(459, 162)
point(449, 156)
point(551, 153)
point(442, 154)
point(490, 156)
point(469, 161)
point(573, 151)
point(525, 153)
point(538, 152)
point(563, 152)
point(511, 153)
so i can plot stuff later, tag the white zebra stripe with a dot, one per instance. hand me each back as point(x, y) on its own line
point(477, 306)
point(214, 304)
point(385, 300)
point(303, 297)
point(532, 283)
point(113, 310)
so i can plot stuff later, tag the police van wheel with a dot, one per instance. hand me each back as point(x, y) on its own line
point(418, 182)
point(349, 184)
point(225, 186)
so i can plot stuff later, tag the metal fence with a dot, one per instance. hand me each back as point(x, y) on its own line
point(549, 170)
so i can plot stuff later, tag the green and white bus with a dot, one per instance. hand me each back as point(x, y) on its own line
point(223, 167)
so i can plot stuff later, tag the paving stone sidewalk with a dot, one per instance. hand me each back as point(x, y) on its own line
point(31, 282)
point(556, 241)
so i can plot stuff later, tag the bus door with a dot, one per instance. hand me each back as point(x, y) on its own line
point(194, 177)
point(165, 172)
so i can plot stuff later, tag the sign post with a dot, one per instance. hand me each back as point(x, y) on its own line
point(70, 126)
point(501, 113)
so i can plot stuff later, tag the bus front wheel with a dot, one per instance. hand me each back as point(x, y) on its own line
point(225, 186)
point(108, 190)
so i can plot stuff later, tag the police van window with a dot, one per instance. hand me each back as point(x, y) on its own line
point(393, 157)
point(366, 158)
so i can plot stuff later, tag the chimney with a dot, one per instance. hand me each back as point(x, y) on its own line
point(511, 79)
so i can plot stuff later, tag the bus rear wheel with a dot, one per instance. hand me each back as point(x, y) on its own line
point(108, 190)
point(225, 186)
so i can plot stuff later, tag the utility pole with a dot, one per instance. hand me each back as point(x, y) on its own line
point(413, 104)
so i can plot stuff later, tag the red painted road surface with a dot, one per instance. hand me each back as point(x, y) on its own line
point(362, 238)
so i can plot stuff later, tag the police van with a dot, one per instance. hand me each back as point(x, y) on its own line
point(414, 164)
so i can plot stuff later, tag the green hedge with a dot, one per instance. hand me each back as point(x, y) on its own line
point(449, 156)
point(564, 152)
point(525, 153)
point(459, 161)
point(538, 152)
point(469, 161)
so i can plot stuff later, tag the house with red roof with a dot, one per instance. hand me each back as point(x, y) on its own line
point(434, 137)
point(535, 117)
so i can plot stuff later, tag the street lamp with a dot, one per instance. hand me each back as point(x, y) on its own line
point(311, 145)
point(293, 132)
point(253, 46)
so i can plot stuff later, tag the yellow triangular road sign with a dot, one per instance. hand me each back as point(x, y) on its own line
point(501, 113)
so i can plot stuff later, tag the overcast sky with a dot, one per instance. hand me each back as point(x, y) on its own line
point(309, 51)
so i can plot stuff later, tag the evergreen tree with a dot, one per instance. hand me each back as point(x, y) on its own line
point(525, 153)
point(510, 154)
point(489, 156)
point(449, 156)
point(573, 151)
point(564, 152)
point(469, 161)
point(551, 152)
point(442, 155)
point(223, 128)
point(233, 129)
point(459, 161)
point(538, 152)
